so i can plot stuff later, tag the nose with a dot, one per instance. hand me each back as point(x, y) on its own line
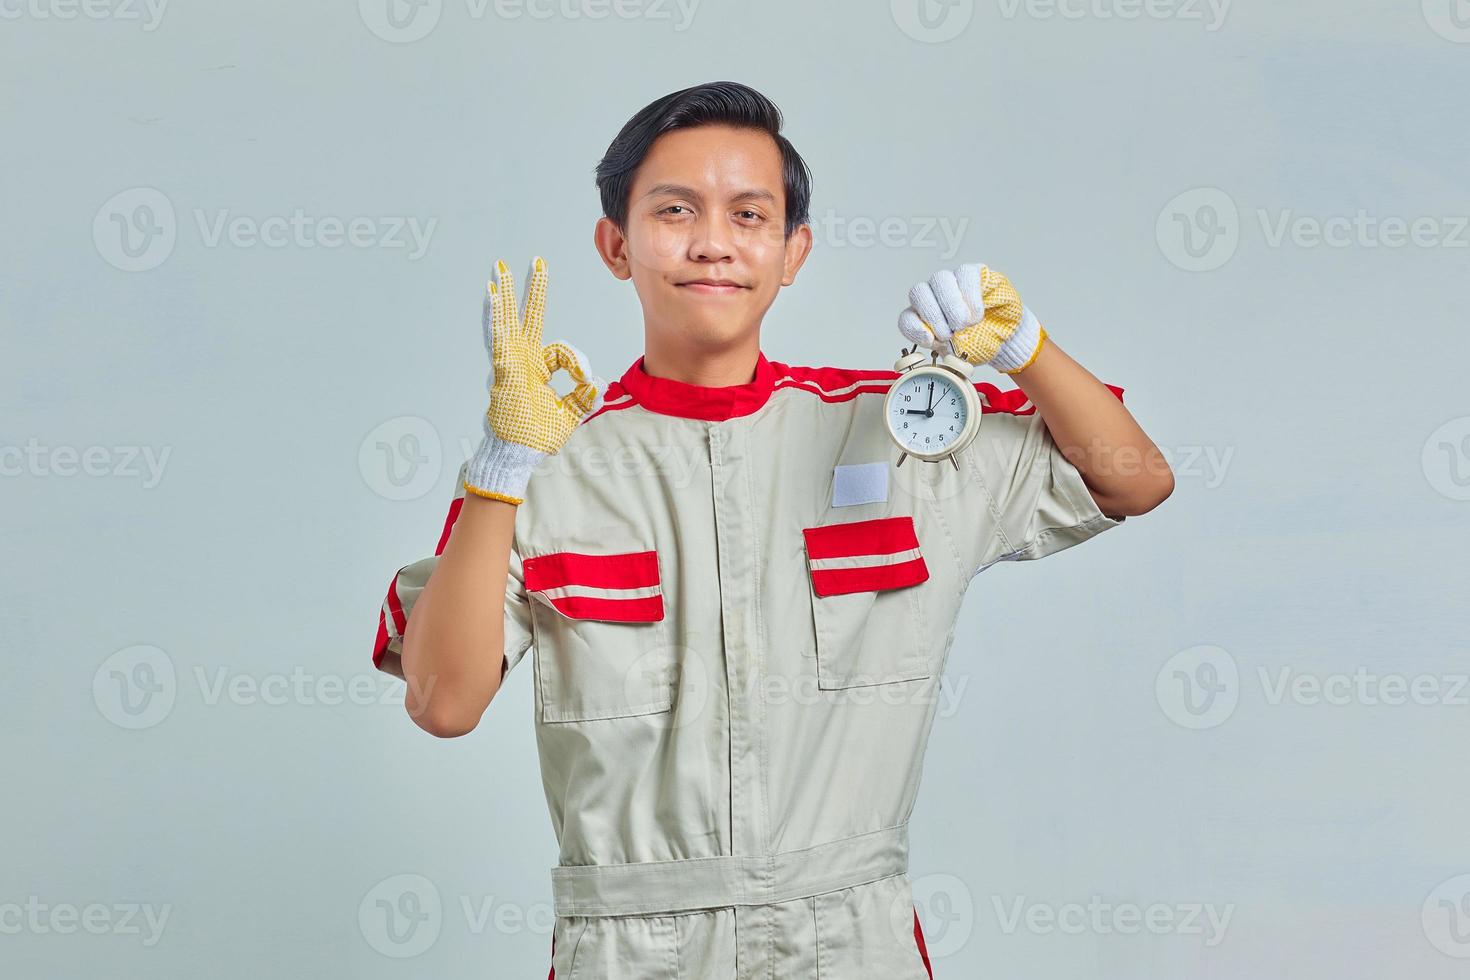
point(712, 241)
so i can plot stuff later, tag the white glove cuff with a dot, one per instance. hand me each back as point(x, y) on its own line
point(500, 470)
point(1021, 346)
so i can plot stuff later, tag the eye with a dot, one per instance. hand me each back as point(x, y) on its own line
point(671, 207)
point(753, 215)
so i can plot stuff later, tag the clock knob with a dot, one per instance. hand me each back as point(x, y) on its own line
point(910, 360)
point(958, 365)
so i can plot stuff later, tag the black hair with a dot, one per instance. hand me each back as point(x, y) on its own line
point(713, 103)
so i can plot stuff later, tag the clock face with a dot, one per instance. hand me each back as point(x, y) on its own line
point(927, 413)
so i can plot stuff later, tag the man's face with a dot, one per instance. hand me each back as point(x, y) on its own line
point(705, 241)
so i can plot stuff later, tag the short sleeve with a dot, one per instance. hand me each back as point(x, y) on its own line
point(409, 581)
point(1037, 501)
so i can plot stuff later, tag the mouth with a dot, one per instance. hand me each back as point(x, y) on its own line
point(712, 287)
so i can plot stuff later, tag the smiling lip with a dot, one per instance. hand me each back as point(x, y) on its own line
point(712, 287)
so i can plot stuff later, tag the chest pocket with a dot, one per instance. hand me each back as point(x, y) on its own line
point(601, 640)
point(865, 602)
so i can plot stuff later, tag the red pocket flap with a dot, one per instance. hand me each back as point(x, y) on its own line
point(864, 556)
point(621, 588)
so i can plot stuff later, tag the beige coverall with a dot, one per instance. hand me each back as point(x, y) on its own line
point(740, 609)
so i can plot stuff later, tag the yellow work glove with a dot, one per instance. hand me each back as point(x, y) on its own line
point(978, 314)
point(527, 420)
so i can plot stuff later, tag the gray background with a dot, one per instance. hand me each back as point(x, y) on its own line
point(1121, 737)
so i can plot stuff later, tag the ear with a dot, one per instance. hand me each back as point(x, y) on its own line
point(798, 247)
point(612, 246)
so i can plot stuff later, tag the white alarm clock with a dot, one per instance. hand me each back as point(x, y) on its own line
point(932, 410)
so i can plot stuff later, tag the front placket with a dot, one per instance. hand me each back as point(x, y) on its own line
point(739, 563)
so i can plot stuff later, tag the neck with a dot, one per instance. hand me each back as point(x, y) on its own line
point(702, 364)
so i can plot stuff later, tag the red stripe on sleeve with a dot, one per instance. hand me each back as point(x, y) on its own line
point(400, 621)
point(380, 645)
point(449, 520)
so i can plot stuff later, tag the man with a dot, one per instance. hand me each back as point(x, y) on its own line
point(740, 606)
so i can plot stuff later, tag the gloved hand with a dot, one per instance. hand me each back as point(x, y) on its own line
point(527, 420)
point(978, 314)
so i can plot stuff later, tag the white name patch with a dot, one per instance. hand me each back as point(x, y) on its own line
point(859, 483)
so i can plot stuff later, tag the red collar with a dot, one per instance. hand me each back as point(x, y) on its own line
point(669, 397)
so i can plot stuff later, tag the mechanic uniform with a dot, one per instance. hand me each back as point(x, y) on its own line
point(740, 609)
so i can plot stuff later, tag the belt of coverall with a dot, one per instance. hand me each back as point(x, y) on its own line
point(689, 884)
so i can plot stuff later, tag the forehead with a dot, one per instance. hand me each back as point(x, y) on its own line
point(715, 160)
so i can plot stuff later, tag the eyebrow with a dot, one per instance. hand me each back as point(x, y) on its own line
point(680, 190)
